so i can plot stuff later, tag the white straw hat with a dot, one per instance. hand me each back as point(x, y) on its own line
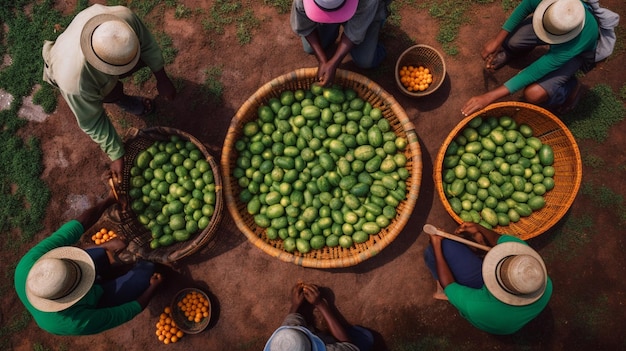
point(109, 44)
point(515, 273)
point(558, 21)
point(294, 338)
point(60, 278)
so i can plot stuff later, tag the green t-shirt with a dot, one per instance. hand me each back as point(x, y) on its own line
point(83, 318)
point(487, 313)
point(557, 55)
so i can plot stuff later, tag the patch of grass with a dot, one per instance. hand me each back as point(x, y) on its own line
point(182, 11)
point(606, 198)
point(15, 324)
point(573, 236)
point(622, 92)
point(212, 88)
point(595, 114)
point(450, 15)
point(593, 161)
point(283, 6)
point(47, 97)
point(224, 13)
point(509, 5)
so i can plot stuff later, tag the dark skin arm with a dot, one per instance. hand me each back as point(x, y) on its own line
point(328, 67)
point(312, 295)
point(479, 233)
point(297, 297)
point(155, 282)
point(93, 214)
point(165, 85)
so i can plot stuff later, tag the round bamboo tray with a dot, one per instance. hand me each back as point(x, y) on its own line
point(137, 235)
point(567, 164)
point(182, 322)
point(326, 257)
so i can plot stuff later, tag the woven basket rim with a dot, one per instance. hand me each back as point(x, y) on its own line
point(199, 240)
point(431, 89)
point(553, 218)
point(346, 261)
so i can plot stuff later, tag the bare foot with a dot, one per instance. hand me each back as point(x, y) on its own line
point(439, 294)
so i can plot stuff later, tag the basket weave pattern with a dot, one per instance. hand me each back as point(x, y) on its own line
point(139, 236)
point(422, 55)
point(327, 257)
point(567, 164)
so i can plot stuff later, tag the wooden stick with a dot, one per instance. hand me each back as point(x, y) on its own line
point(431, 229)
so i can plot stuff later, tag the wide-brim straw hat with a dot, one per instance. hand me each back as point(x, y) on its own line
point(330, 11)
point(294, 338)
point(558, 21)
point(515, 273)
point(60, 278)
point(109, 44)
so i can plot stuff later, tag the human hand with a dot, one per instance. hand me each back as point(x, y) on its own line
point(472, 230)
point(297, 296)
point(164, 85)
point(312, 294)
point(326, 74)
point(156, 279)
point(490, 48)
point(116, 171)
point(475, 103)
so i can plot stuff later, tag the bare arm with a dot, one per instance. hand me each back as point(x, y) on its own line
point(93, 214)
point(312, 295)
point(481, 101)
point(492, 46)
point(155, 282)
point(479, 233)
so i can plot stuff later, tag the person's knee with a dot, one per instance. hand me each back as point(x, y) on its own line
point(535, 94)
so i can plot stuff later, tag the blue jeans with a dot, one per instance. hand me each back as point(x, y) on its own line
point(369, 54)
point(465, 265)
point(124, 288)
point(558, 83)
point(361, 337)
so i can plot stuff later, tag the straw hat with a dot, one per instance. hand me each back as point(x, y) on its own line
point(60, 278)
point(558, 21)
point(515, 273)
point(294, 338)
point(110, 44)
point(330, 11)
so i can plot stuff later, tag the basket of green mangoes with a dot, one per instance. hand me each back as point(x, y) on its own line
point(172, 192)
point(321, 176)
point(513, 167)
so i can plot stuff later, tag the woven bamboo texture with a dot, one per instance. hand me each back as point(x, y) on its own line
point(134, 232)
point(326, 257)
point(422, 55)
point(567, 164)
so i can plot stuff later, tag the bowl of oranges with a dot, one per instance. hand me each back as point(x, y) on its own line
point(191, 310)
point(420, 70)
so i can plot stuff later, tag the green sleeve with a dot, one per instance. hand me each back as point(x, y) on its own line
point(97, 320)
point(93, 120)
point(523, 10)
point(151, 53)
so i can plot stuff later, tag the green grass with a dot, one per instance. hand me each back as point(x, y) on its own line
point(225, 13)
point(283, 6)
point(212, 88)
point(571, 238)
point(598, 110)
point(606, 198)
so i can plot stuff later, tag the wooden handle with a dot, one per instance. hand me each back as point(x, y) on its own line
point(431, 229)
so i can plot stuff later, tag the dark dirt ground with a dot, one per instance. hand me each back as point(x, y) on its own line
point(390, 293)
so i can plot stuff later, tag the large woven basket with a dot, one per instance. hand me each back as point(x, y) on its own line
point(134, 232)
point(567, 164)
point(326, 257)
point(422, 55)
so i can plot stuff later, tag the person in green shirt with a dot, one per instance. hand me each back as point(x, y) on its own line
point(568, 28)
point(101, 45)
point(72, 291)
point(498, 294)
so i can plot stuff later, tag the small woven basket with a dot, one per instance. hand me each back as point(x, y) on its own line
point(327, 257)
point(422, 55)
point(138, 235)
point(567, 164)
point(182, 322)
